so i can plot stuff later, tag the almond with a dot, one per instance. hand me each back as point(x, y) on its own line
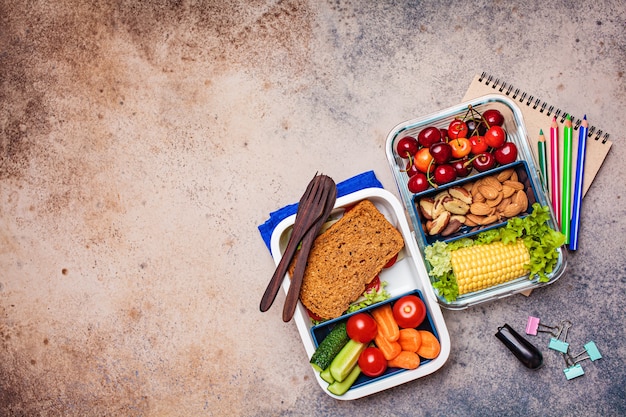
point(456, 206)
point(505, 202)
point(507, 191)
point(514, 184)
point(461, 193)
point(520, 198)
point(439, 223)
point(504, 175)
point(426, 207)
point(489, 191)
point(478, 198)
point(480, 209)
point(512, 210)
point(493, 182)
point(490, 219)
point(495, 201)
point(514, 176)
point(475, 219)
point(475, 186)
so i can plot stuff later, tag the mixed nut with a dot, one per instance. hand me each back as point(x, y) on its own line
point(488, 200)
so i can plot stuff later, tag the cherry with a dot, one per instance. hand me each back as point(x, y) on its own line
point(495, 136)
point(457, 129)
point(444, 174)
point(417, 183)
point(429, 135)
point(463, 167)
point(444, 135)
point(423, 160)
point(478, 144)
point(484, 161)
point(506, 153)
point(407, 147)
point(441, 152)
point(411, 168)
point(476, 127)
point(493, 117)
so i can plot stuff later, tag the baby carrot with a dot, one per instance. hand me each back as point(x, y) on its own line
point(405, 360)
point(430, 346)
point(386, 322)
point(389, 349)
point(410, 339)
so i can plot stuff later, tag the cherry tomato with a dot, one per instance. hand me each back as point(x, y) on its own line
point(423, 160)
point(407, 146)
point(313, 315)
point(391, 262)
point(373, 285)
point(457, 129)
point(495, 136)
point(461, 147)
point(372, 362)
point(478, 144)
point(361, 328)
point(409, 311)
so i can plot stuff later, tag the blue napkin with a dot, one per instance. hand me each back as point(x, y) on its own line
point(364, 180)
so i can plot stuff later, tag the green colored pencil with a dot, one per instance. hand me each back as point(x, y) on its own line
point(543, 162)
point(566, 189)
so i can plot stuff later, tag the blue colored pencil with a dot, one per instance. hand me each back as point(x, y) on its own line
point(583, 131)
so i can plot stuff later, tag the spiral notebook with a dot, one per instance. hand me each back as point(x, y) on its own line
point(538, 115)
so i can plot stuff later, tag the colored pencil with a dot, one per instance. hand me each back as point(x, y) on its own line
point(583, 131)
point(543, 162)
point(555, 179)
point(566, 176)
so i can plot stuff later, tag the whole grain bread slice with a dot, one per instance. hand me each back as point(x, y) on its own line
point(346, 258)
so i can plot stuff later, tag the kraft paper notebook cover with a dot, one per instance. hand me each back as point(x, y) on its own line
point(538, 115)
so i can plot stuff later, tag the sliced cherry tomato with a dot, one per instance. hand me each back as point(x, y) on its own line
point(313, 315)
point(461, 147)
point(361, 328)
point(457, 129)
point(372, 362)
point(373, 285)
point(409, 311)
point(391, 262)
point(495, 136)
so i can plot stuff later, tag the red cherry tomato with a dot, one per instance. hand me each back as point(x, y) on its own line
point(313, 316)
point(409, 311)
point(461, 147)
point(372, 362)
point(361, 328)
point(373, 285)
point(391, 262)
point(478, 144)
point(457, 129)
point(495, 136)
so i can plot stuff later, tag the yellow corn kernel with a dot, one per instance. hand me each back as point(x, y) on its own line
point(481, 266)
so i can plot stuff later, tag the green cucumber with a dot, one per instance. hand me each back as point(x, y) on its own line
point(330, 347)
point(326, 376)
point(346, 359)
point(340, 388)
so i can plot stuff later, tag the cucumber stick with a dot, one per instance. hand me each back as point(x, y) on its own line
point(340, 388)
point(346, 360)
point(326, 376)
point(330, 347)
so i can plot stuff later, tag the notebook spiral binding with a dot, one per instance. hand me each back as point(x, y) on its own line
point(537, 103)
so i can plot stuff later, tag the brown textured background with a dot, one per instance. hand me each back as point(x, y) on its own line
point(141, 143)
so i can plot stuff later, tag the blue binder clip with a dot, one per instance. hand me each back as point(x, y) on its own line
point(558, 344)
point(573, 371)
point(592, 351)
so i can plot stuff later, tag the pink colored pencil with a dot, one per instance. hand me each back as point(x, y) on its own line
point(555, 171)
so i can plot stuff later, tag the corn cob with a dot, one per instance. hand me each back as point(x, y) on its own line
point(482, 266)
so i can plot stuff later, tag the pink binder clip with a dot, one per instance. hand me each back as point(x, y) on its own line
point(533, 326)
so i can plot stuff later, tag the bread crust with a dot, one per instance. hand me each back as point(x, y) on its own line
point(347, 257)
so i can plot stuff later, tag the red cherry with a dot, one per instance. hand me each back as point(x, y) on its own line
point(495, 136)
point(411, 168)
point(444, 174)
point(493, 117)
point(441, 152)
point(407, 147)
point(428, 136)
point(478, 144)
point(418, 183)
point(506, 153)
point(484, 161)
point(463, 167)
point(457, 129)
